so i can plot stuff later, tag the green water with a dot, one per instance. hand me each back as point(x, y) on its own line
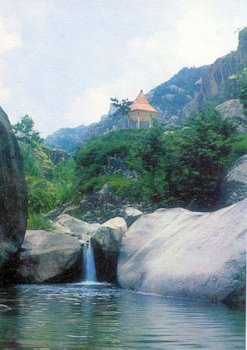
point(81, 316)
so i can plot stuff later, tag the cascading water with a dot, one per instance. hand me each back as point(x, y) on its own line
point(89, 264)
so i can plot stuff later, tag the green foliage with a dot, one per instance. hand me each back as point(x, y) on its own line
point(204, 152)
point(49, 173)
point(123, 106)
point(43, 195)
point(239, 146)
point(24, 128)
point(173, 167)
point(37, 221)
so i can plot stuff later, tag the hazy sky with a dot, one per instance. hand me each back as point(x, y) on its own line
point(62, 60)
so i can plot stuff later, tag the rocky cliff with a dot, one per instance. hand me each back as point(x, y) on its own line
point(13, 198)
point(218, 84)
point(171, 97)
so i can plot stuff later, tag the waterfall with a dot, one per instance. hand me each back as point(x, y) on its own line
point(89, 264)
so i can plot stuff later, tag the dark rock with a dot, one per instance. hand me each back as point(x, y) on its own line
point(13, 199)
point(48, 257)
point(106, 243)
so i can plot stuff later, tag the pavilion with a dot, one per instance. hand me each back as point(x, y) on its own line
point(142, 111)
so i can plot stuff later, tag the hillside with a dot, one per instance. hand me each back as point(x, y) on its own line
point(160, 166)
point(189, 89)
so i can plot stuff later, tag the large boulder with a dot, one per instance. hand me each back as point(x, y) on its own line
point(67, 224)
point(48, 257)
point(233, 187)
point(13, 200)
point(106, 243)
point(179, 253)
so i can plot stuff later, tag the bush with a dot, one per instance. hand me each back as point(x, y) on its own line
point(39, 222)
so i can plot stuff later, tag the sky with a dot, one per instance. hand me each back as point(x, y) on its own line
point(62, 60)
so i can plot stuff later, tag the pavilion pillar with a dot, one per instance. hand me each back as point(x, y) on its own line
point(138, 122)
point(150, 122)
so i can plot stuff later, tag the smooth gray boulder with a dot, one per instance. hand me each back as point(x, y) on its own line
point(131, 215)
point(67, 224)
point(106, 243)
point(48, 257)
point(233, 187)
point(179, 253)
point(13, 200)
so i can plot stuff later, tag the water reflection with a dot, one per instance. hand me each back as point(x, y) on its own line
point(81, 316)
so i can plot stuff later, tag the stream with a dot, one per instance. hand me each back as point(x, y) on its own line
point(94, 316)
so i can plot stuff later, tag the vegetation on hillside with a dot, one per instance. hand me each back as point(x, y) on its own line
point(175, 166)
point(49, 173)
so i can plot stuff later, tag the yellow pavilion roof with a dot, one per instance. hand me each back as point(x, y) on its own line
point(141, 104)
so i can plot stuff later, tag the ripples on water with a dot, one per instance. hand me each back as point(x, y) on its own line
point(101, 316)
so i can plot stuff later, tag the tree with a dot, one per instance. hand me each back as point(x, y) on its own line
point(204, 147)
point(24, 129)
point(122, 106)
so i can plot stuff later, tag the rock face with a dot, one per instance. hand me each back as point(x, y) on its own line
point(178, 253)
point(216, 85)
point(233, 110)
point(13, 199)
point(106, 243)
point(99, 206)
point(172, 96)
point(233, 188)
point(48, 257)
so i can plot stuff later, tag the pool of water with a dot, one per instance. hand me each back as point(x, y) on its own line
point(101, 316)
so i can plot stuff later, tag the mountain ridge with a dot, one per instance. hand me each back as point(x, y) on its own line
point(189, 89)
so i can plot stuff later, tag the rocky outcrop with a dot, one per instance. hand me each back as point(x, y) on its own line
point(172, 96)
point(234, 111)
point(98, 206)
point(131, 214)
point(48, 257)
point(218, 82)
point(233, 187)
point(106, 243)
point(178, 253)
point(13, 199)
point(67, 224)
